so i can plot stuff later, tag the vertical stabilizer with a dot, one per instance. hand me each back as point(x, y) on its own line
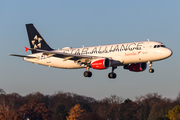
point(35, 39)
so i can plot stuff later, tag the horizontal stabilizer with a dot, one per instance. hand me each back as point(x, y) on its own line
point(22, 56)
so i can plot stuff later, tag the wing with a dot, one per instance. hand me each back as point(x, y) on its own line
point(81, 59)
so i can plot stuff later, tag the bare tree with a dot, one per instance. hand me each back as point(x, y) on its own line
point(2, 91)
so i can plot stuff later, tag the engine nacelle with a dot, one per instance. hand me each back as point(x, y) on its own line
point(100, 64)
point(138, 67)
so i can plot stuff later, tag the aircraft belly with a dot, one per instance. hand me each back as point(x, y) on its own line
point(68, 64)
point(135, 59)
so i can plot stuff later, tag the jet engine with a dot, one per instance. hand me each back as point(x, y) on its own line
point(138, 67)
point(100, 64)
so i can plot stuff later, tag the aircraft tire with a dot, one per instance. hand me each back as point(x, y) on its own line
point(87, 74)
point(151, 70)
point(112, 75)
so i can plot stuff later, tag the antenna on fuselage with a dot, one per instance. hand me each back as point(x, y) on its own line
point(148, 39)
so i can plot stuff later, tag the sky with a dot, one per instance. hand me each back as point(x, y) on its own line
point(75, 23)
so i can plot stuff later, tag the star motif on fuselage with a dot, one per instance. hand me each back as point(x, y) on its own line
point(36, 42)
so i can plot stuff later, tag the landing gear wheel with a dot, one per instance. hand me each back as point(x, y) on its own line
point(150, 65)
point(112, 75)
point(151, 70)
point(90, 74)
point(87, 74)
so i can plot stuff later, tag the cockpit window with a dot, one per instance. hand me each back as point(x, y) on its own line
point(157, 46)
point(163, 46)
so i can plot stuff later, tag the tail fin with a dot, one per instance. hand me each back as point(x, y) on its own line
point(35, 39)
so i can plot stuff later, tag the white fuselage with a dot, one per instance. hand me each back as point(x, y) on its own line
point(120, 54)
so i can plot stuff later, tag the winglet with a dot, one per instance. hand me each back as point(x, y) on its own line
point(26, 48)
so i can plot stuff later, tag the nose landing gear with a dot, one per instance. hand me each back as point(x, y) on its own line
point(150, 65)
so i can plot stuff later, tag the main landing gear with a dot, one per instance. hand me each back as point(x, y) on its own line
point(112, 75)
point(150, 65)
point(87, 73)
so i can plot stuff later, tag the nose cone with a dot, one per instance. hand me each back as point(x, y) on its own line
point(168, 52)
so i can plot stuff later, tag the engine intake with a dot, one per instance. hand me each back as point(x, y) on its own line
point(100, 64)
point(138, 67)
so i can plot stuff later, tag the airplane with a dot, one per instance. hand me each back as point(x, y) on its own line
point(132, 56)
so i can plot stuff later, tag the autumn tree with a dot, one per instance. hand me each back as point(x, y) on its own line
point(174, 114)
point(35, 110)
point(11, 115)
point(9, 102)
point(76, 113)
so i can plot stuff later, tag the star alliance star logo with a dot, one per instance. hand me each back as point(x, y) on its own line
point(36, 42)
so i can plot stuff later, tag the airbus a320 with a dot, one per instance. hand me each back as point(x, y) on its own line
point(132, 56)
